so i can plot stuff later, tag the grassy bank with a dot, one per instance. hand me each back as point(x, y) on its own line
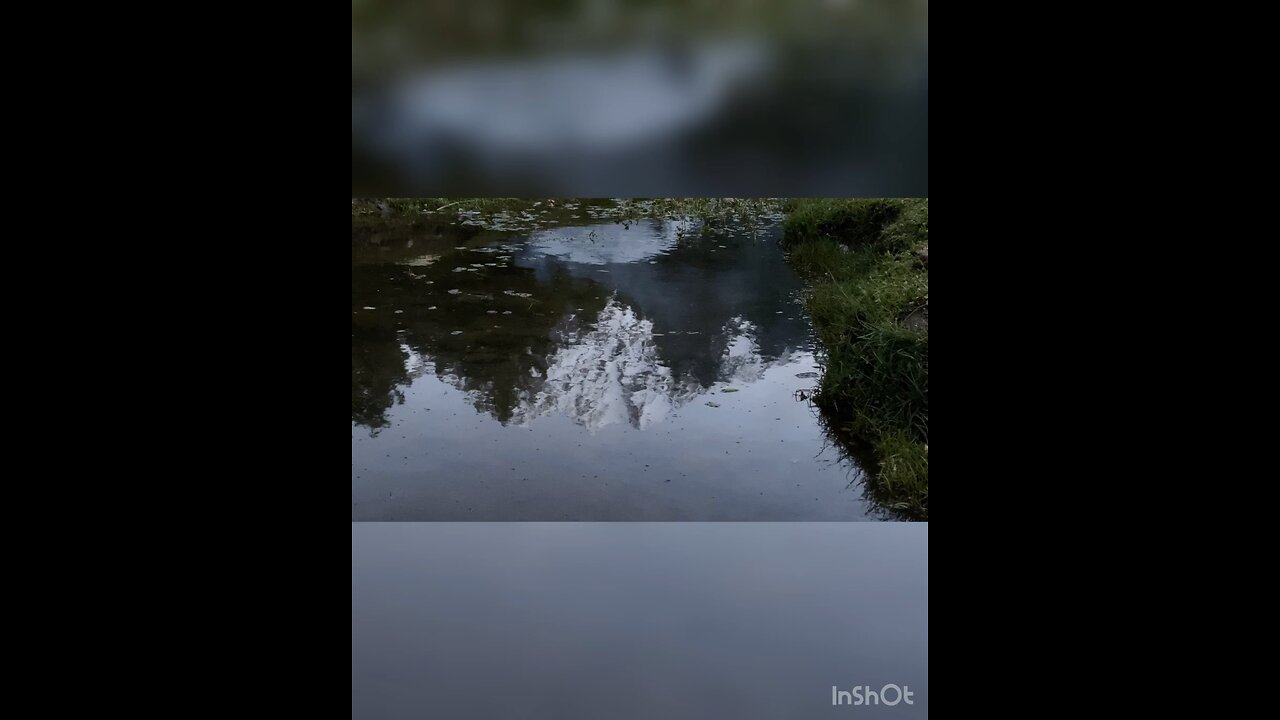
point(867, 262)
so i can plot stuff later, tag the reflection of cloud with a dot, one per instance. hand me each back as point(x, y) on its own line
point(610, 374)
point(742, 361)
point(415, 365)
point(605, 244)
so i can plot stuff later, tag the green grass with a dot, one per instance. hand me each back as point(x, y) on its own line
point(868, 291)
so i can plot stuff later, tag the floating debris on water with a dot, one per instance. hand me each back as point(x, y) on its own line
point(456, 332)
point(711, 404)
point(729, 390)
point(513, 293)
point(807, 375)
point(399, 311)
point(367, 307)
point(455, 291)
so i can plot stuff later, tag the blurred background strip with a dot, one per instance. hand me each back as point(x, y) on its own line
point(640, 98)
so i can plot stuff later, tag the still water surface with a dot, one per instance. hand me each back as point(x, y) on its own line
point(585, 369)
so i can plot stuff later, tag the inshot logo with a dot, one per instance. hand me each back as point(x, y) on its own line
point(865, 695)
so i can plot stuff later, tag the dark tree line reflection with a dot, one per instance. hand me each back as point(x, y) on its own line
point(604, 323)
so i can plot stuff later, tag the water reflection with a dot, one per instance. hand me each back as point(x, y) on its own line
point(583, 370)
point(609, 372)
point(604, 324)
point(611, 244)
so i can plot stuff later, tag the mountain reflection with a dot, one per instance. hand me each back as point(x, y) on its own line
point(609, 372)
point(605, 324)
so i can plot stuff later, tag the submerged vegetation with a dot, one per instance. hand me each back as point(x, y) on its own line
point(504, 215)
point(867, 261)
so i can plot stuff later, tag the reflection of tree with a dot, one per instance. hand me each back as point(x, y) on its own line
point(690, 293)
point(627, 345)
point(503, 318)
point(377, 372)
point(502, 366)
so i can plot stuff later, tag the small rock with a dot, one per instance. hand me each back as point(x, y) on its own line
point(917, 319)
